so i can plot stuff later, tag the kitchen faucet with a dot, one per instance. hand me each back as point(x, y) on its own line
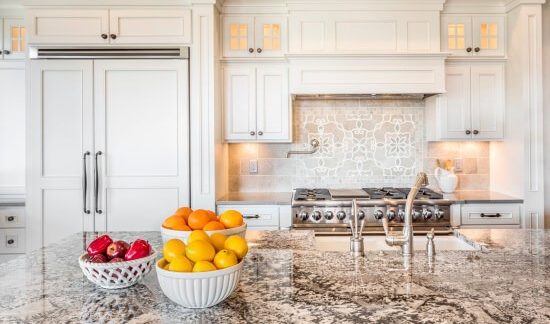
point(405, 238)
point(356, 246)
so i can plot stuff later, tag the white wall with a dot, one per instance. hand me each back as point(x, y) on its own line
point(546, 102)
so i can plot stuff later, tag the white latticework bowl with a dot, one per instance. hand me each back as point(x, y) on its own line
point(119, 274)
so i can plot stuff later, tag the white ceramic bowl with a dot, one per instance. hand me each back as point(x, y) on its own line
point(199, 289)
point(168, 234)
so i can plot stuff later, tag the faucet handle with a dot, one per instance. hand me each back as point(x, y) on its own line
point(430, 246)
point(386, 225)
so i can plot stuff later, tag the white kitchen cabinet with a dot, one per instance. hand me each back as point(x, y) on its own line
point(110, 26)
point(121, 121)
point(469, 36)
point(262, 217)
point(490, 215)
point(256, 103)
point(472, 107)
point(254, 36)
point(15, 41)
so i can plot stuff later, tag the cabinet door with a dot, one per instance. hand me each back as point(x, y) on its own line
point(272, 108)
point(238, 36)
point(487, 101)
point(15, 39)
point(456, 35)
point(455, 104)
point(270, 34)
point(141, 129)
point(60, 131)
point(488, 36)
point(68, 26)
point(239, 103)
point(152, 26)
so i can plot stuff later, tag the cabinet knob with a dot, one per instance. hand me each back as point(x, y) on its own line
point(259, 50)
point(469, 49)
point(113, 36)
point(104, 36)
point(477, 49)
point(11, 241)
point(10, 218)
point(6, 52)
point(260, 133)
point(476, 132)
point(252, 133)
point(251, 50)
point(468, 132)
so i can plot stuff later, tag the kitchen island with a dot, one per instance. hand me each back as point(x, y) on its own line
point(286, 280)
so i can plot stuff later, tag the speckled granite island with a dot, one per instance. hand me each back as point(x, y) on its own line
point(286, 281)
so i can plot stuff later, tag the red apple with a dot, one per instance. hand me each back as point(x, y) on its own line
point(99, 245)
point(138, 249)
point(117, 249)
point(117, 259)
point(98, 258)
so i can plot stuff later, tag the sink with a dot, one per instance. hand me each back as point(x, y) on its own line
point(377, 243)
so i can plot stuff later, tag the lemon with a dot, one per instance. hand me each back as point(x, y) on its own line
point(198, 235)
point(166, 267)
point(225, 259)
point(172, 248)
point(236, 244)
point(202, 266)
point(218, 240)
point(180, 264)
point(200, 251)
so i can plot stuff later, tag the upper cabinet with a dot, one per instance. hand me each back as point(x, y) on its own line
point(364, 32)
point(115, 26)
point(14, 34)
point(254, 36)
point(468, 36)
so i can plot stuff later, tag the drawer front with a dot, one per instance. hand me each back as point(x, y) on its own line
point(256, 216)
point(12, 216)
point(12, 240)
point(494, 214)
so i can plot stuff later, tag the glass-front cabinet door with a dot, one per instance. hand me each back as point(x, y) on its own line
point(238, 36)
point(270, 36)
point(15, 39)
point(456, 35)
point(488, 35)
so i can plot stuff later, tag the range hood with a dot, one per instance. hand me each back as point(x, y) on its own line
point(381, 96)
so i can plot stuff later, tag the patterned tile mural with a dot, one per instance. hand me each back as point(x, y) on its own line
point(362, 143)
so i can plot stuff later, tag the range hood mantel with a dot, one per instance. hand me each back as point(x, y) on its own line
point(379, 96)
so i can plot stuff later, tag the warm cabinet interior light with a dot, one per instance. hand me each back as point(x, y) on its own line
point(272, 36)
point(455, 36)
point(17, 39)
point(488, 36)
point(239, 36)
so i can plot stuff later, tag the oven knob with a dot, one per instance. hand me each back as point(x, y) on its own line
point(341, 215)
point(390, 215)
point(361, 215)
point(329, 215)
point(401, 214)
point(316, 215)
point(439, 213)
point(303, 215)
point(427, 214)
point(416, 214)
point(378, 214)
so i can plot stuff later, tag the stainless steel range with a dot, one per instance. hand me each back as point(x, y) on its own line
point(328, 211)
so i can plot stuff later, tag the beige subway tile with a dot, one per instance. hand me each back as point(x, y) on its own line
point(469, 166)
point(483, 165)
point(273, 150)
point(444, 150)
point(474, 149)
point(473, 182)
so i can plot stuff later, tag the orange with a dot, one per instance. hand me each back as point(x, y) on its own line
point(181, 264)
point(236, 244)
point(213, 226)
point(231, 218)
point(175, 222)
point(212, 215)
point(203, 266)
point(218, 240)
point(184, 212)
point(198, 235)
point(200, 251)
point(198, 219)
point(225, 259)
point(172, 248)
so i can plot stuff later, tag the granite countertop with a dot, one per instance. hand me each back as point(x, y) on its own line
point(286, 281)
point(480, 197)
point(256, 198)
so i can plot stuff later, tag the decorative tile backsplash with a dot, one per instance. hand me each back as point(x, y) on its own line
point(362, 143)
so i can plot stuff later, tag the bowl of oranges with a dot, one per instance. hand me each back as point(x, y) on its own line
point(185, 220)
point(202, 272)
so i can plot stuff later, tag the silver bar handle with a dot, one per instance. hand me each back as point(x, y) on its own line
point(85, 182)
point(96, 184)
point(251, 216)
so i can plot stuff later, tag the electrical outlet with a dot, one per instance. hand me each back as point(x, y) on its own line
point(458, 164)
point(253, 166)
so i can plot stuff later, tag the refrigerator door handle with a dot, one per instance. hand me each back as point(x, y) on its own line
point(96, 184)
point(85, 182)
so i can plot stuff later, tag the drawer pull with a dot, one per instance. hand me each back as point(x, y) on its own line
point(491, 215)
point(10, 218)
point(251, 216)
point(11, 241)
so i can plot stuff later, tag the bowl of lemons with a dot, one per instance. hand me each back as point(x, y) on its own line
point(202, 272)
point(184, 221)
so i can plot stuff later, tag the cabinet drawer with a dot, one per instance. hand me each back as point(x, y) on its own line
point(256, 216)
point(12, 240)
point(494, 214)
point(12, 216)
